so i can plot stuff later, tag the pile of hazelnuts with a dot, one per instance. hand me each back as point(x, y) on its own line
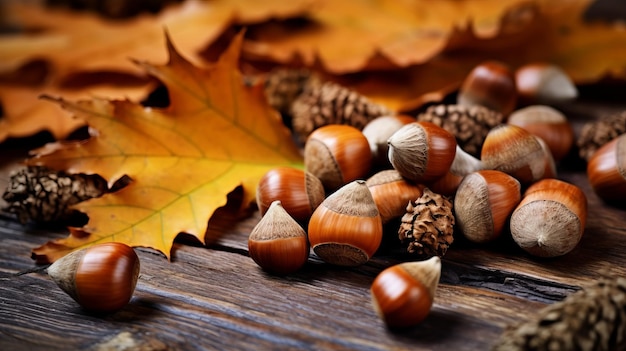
point(512, 186)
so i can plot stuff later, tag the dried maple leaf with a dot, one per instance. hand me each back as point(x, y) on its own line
point(355, 35)
point(216, 135)
point(70, 43)
point(73, 41)
point(588, 52)
point(25, 114)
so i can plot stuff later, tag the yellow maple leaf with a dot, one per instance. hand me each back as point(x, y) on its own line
point(216, 135)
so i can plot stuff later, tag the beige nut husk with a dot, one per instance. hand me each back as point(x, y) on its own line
point(550, 219)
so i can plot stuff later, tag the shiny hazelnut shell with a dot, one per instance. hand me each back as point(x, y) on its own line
point(548, 124)
point(337, 154)
point(299, 192)
point(392, 192)
point(101, 278)
point(543, 82)
point(550, 220)
point(492, 85)
point(513, 150)
point(346, 229)
point(483, 203)
point(403, 294)
point(378, 132)
point(606, 170)
point(277, 243)
point(422, 151)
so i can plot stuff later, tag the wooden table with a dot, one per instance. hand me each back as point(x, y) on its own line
point(216, 297)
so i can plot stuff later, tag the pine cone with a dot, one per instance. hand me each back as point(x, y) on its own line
point(428, 225)
point(284, 85)
point(44, 195)
point(330, 103)
point(597, 133)
point(469, 124)
point(589, 319)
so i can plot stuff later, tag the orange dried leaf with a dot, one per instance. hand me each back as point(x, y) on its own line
point(25, 114)
point(73, 41)
point(587, 52)
point(355, 35)
point(216, 135)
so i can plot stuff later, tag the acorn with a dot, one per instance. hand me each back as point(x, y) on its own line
point(346, 229)
point(392, 193)
point(101, 278)
point(544, 82)
point(606, 170)
point(547, 123)
point(278, 244)
point(483, 203)
point(490, 84)
point(550, 219)
point(513, 150)
point(422, 151)
point(299, 192)
point(378, 131)
point(403, 294)
point(337, 154)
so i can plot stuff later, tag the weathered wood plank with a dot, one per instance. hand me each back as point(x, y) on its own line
point(215, 297)
point(220, 298)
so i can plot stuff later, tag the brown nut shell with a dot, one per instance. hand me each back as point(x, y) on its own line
point(403, 294)
point(392, 192)
point(299, 192)
point(547, 123)
point(607, 170)
point(490, 84)
point(513, 150)
point(337, 154)
point(378, 131)
point(277, 243)
point(422, 151)
point(101, 278)
point(544, 82)
point(550, 219)
point(483, 203)
point(346, 229)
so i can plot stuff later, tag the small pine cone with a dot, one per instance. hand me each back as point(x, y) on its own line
point(284, 85)
point(428, 225)
point(469, 124)
point(330, 103)
point(590, 319)
point(44, 195)
point(597, 133)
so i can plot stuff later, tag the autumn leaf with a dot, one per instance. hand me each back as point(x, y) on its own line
point(586, 51)
point(25, 114)
point(82, 42)
point(357, 35)
point(70, 43)
point(216, 135)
